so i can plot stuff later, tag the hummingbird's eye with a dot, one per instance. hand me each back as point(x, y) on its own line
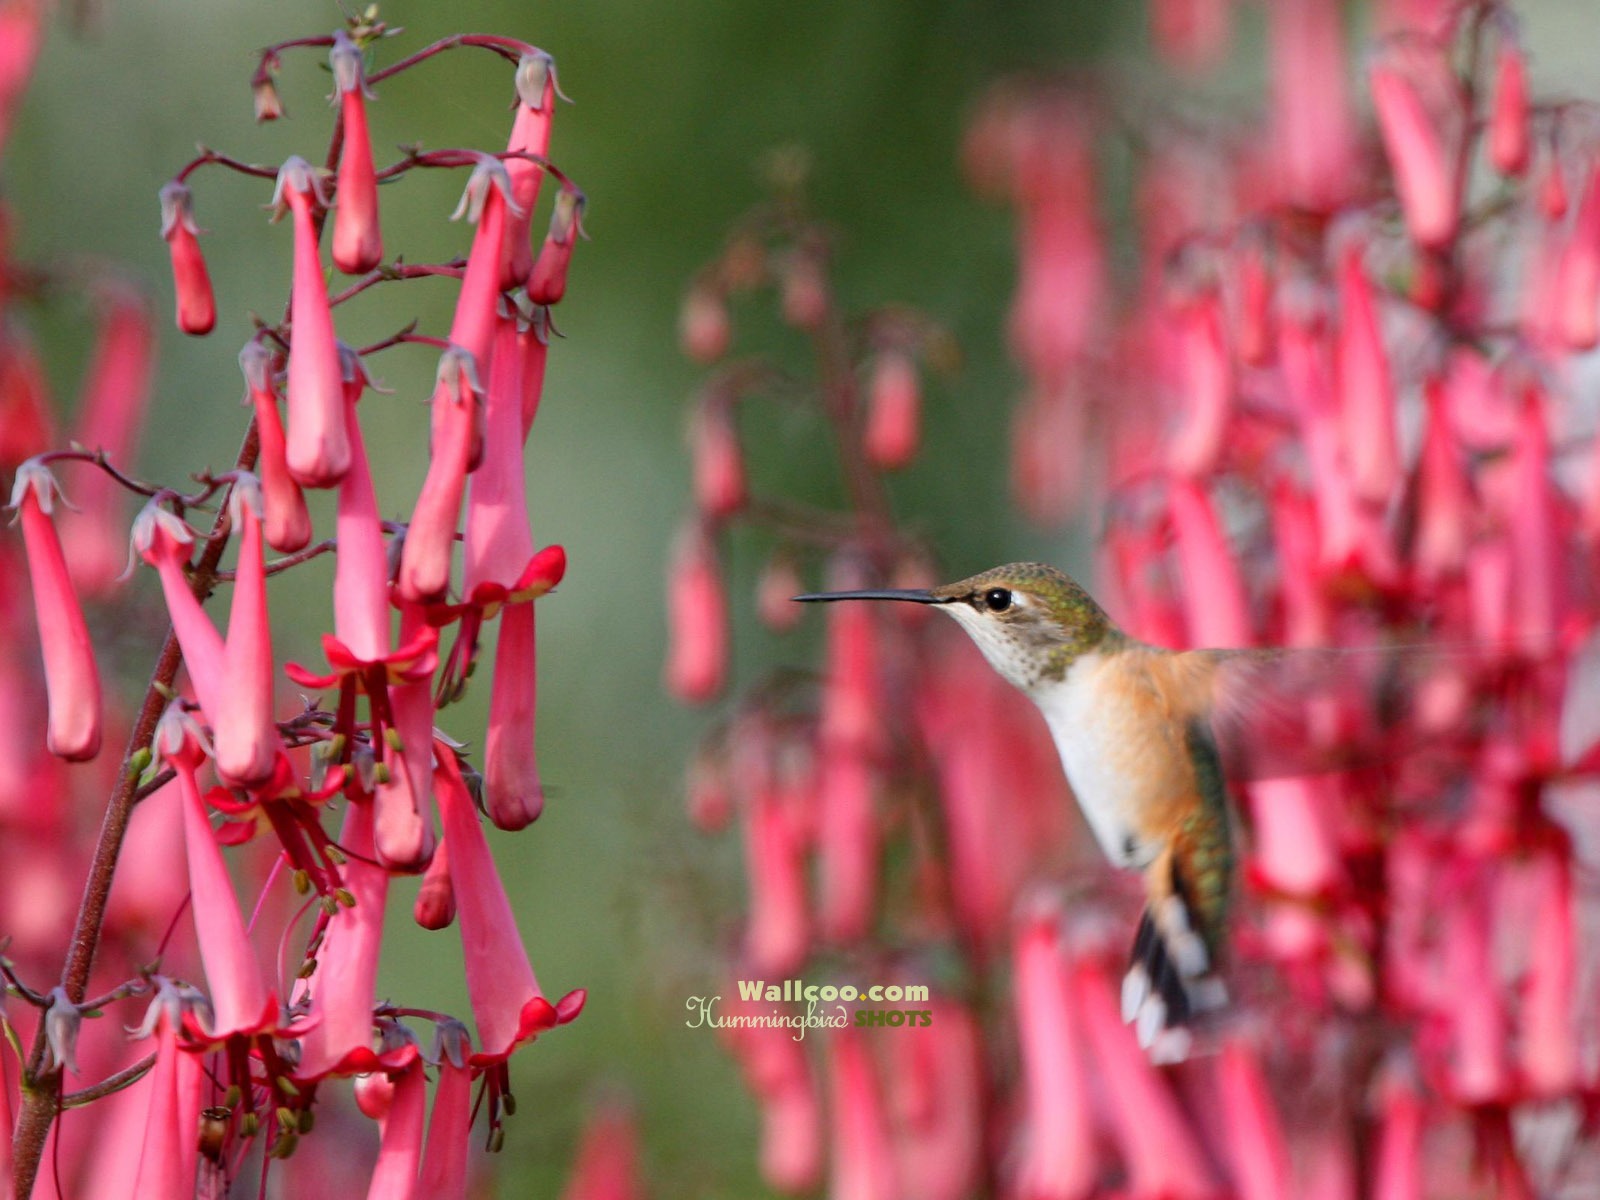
point(997, 600)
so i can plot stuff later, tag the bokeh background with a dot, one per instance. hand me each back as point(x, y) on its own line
point(676, 107)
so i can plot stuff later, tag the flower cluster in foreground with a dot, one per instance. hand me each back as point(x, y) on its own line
point(1340, 398)
point(240, 880)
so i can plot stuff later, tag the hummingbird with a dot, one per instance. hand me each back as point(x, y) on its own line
point(1132, 724)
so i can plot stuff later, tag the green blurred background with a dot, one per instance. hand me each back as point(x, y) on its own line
point(675, 106)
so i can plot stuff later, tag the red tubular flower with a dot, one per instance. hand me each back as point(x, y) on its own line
point(1158, 1148)
point(720, 489)
point(1538, 561)
point(1206, 372)
point(357, 238)
point(777, 931)
point(697, 608)
point(1577, 282)
point(246, 735)
point(71, 679)
point(530, 134)
point(704, 330)
point(394, 1175)
point(435, 906)
point(1192, 34)
point(170, 1156)
point(1213, 588)
point(1252, 327)
point(507, 1005)
point(197, 306)
point(1508, 110)
point(344, 986)
point(288, 524)
point(430, 536)
point(21, 35)
point(779, 1074)
point(444, 1161)
point(1478, 1071)
point(240, 1001)
point(894, 410)
point(1397, 1171)
point(607, 1164)
point(116, 389)
point(863, 1155)
point(26, 425)
point(164, 542)
point(1548, 1042)
point(1444, 500)
point(936, 1095)
point(1312, 139)
point(1419, 151)
point(547, 282)
point(318, 451)
point(1366, 390)
point(1294, 851)
point(1258, 1158)
point(1058, 1160)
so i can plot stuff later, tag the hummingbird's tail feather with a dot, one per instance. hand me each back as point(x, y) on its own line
point(1172, 976)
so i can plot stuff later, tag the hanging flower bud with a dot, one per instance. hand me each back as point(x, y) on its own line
point(245, 733)
point(894, 410)
point(288, 524)
point(719, 478)
point(197, 307)
point(165, 542)
point(1192, 34)
point(1419, 150)
point(1366, 390)
point(1508, 110)
point(1206, 374)
point(430, 537)
point(530, 134)
point(435, 906)
point(264, 93)
point(1577, 298)
point(1213, 588)
point(547, 282)
point(697, 605)
point(1313, 142)
point(357, 238)
point(318, 451)
point(704, 330)
point(487, 201)
point(775, 592)
point(1252, 328)
point(805, 296)
point(71, 679)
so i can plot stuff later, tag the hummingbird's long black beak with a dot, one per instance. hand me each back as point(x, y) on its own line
point(915, 595)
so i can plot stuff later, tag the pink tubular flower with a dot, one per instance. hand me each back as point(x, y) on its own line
point(779, 1074)
point(1444, 501)
point(435, 906)
point(318, 451)
point(1549, 1035)
point(357, 238)
point(894, 410)
point(72, 681)
point(288, 524)
point(1577, 295)
point(607, 1164)
point(1258, 1157)
point(1206, 372)
point(1192, 34)
point(344, 986)
point(170, 1156)
point(197, 306)
point(116, 389)
point(21, 35)
point(530, 134)
point(430, 536)
point(704, 330)
point(444, 1162)
point(777, 932)
point(719, 478)
point(1397, 1169)
point(547, 282)
point(1508, 114)
point(247, 744)
point(394, 1175)
point(697, 608)
point(241, 1003)
point(164, 542)
point(1419, 151)
point(1157, 1146)
point(863, 1154)
point(1058, 1161)
point(1366, 390)
point(1312, 143)
point(506, 1001)
point(1213, 588)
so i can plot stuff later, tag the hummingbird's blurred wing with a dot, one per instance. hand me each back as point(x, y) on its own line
point(1284, 712)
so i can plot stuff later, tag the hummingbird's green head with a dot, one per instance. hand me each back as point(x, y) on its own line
point(1030, 620)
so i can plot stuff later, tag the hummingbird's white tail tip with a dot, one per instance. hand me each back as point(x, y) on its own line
point(1170, 981)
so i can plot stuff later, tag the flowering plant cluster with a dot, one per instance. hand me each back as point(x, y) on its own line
point(1339, 399)
point(322, 800)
